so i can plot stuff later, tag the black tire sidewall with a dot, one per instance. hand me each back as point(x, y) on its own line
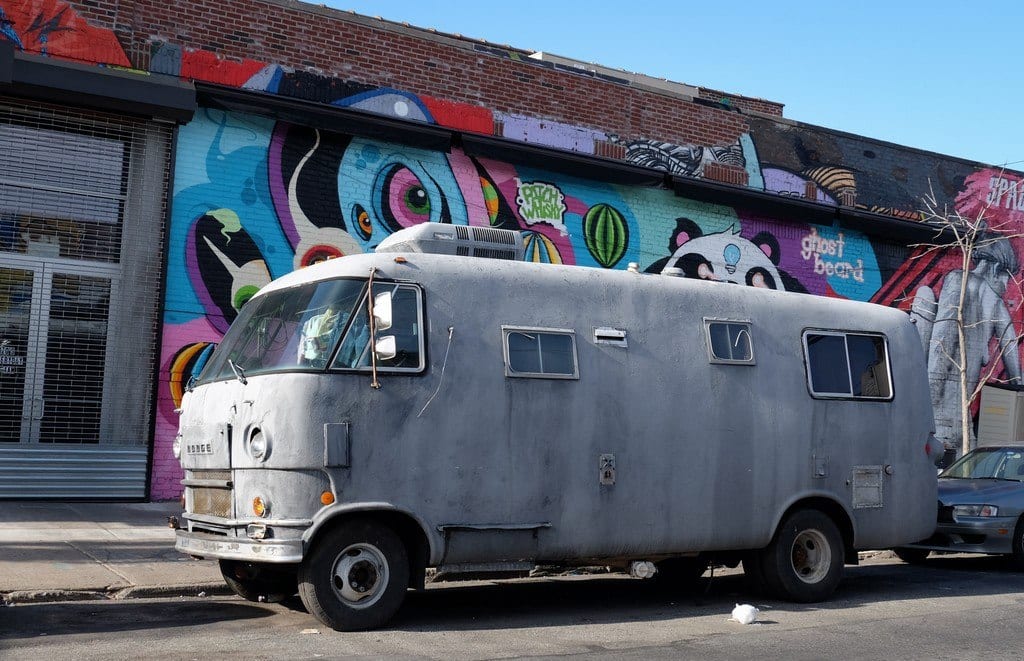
point(777, 565)
point(315, 574)
point(270, 585)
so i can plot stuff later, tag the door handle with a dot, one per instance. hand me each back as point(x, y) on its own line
point(37, 411)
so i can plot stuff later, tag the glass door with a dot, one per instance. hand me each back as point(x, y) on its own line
point(18, 287)
point(53, 352)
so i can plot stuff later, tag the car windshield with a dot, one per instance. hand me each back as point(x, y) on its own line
point(293, 329)
point(990, 463)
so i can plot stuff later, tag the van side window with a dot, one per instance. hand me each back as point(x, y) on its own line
point(729, 342)
point(847, 365)
point(407, 325)
point(546, 353)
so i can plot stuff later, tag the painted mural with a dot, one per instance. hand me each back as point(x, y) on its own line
point(254, 199)
point(52, 27)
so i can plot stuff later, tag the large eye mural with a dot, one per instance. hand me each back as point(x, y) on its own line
point(383, 188)
point(224, 264)
point(404, 199)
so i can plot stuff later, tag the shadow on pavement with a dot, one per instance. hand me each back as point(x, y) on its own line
point(90, 617)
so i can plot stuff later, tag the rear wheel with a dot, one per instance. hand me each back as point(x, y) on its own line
point(356, 576)
point(912, 556)
point(804, 561)
point(255, 581)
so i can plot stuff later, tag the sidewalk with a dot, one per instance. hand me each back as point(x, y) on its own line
point(55, 551)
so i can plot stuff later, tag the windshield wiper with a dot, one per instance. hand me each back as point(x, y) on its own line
point(239, 372)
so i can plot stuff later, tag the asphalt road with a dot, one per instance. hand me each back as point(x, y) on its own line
point(953, 607)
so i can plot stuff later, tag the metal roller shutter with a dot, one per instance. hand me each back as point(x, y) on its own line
point(82, 212)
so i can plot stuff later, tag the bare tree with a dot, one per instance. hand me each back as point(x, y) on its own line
point(958, 327)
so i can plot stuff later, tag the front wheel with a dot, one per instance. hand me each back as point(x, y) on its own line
point(254, 581)
point(356, 576)
point(912, 556)
point(804, 561)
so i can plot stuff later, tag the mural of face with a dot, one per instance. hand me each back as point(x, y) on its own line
point(219, 252)
point(726, 257)
point(387, 187)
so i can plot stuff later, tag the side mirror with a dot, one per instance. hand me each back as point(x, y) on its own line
point(385, 348)
point(382, 311)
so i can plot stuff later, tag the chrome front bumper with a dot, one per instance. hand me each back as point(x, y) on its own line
point(238, 548)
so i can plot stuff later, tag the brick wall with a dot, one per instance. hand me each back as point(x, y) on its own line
point(338, 44)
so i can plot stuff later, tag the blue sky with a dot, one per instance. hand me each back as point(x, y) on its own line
point(941, 76)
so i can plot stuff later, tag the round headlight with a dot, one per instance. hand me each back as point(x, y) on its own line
point(176, 447)
point(259, 447)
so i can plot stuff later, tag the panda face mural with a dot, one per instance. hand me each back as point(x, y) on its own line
point(726, 257)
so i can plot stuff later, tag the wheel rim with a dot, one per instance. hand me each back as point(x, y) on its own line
point(360, 575)
point(811, 556)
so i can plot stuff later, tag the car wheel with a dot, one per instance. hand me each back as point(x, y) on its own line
point(1018, 545)
point(912, 556)
point(804, 561)
point(356, 576)
point(254, 581)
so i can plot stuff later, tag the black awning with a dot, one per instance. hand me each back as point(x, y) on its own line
point(561, 161)
point(795, 209)
point(100, 88)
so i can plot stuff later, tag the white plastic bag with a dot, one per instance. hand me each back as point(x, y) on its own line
point(744, 614)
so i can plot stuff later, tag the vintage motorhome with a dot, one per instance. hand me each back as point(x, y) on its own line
point(376, 415)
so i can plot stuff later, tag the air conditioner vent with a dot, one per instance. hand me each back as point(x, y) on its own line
point(462, 240)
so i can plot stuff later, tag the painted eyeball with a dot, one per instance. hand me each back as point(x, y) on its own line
point(404, 200)
point(364, 225)
point(759, 277)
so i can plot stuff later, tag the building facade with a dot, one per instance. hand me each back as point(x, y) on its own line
point(164, 162)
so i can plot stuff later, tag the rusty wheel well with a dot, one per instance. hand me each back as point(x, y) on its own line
point(407, 529)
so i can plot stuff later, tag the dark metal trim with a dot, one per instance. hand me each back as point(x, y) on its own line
point(100, 88)
point(783, 208)
point(325, 116)
point(559, 160)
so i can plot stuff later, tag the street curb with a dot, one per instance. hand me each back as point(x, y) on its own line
point(132, 592)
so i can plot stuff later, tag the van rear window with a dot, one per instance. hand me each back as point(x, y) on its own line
point(847, 365)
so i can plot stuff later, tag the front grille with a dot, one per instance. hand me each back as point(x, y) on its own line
point(210, 499)
point(945, 513)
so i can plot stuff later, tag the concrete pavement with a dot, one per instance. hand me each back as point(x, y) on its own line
point(60, 551)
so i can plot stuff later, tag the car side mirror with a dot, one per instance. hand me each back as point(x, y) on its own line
point(385, 348)
point(382, 316)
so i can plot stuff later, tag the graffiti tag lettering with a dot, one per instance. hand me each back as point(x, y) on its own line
point(541, 203)
point(813, 244)
point(1006, 192)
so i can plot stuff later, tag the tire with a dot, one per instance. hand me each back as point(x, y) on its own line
point(254, 581)
point(912, 556)
point(356, 576)
point(753, 574)
point(1018, 546)
point(680, 573)
point(804, 561)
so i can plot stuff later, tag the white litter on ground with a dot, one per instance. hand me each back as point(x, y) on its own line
point(744, 614)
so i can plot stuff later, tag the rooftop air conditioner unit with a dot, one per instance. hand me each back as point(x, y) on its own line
point(464, 240)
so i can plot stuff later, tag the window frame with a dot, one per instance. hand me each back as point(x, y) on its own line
point(507, 330)
point(831, 332)
point(362, 307)
point(716, 360)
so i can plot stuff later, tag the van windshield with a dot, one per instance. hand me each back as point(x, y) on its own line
point(288, 330)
